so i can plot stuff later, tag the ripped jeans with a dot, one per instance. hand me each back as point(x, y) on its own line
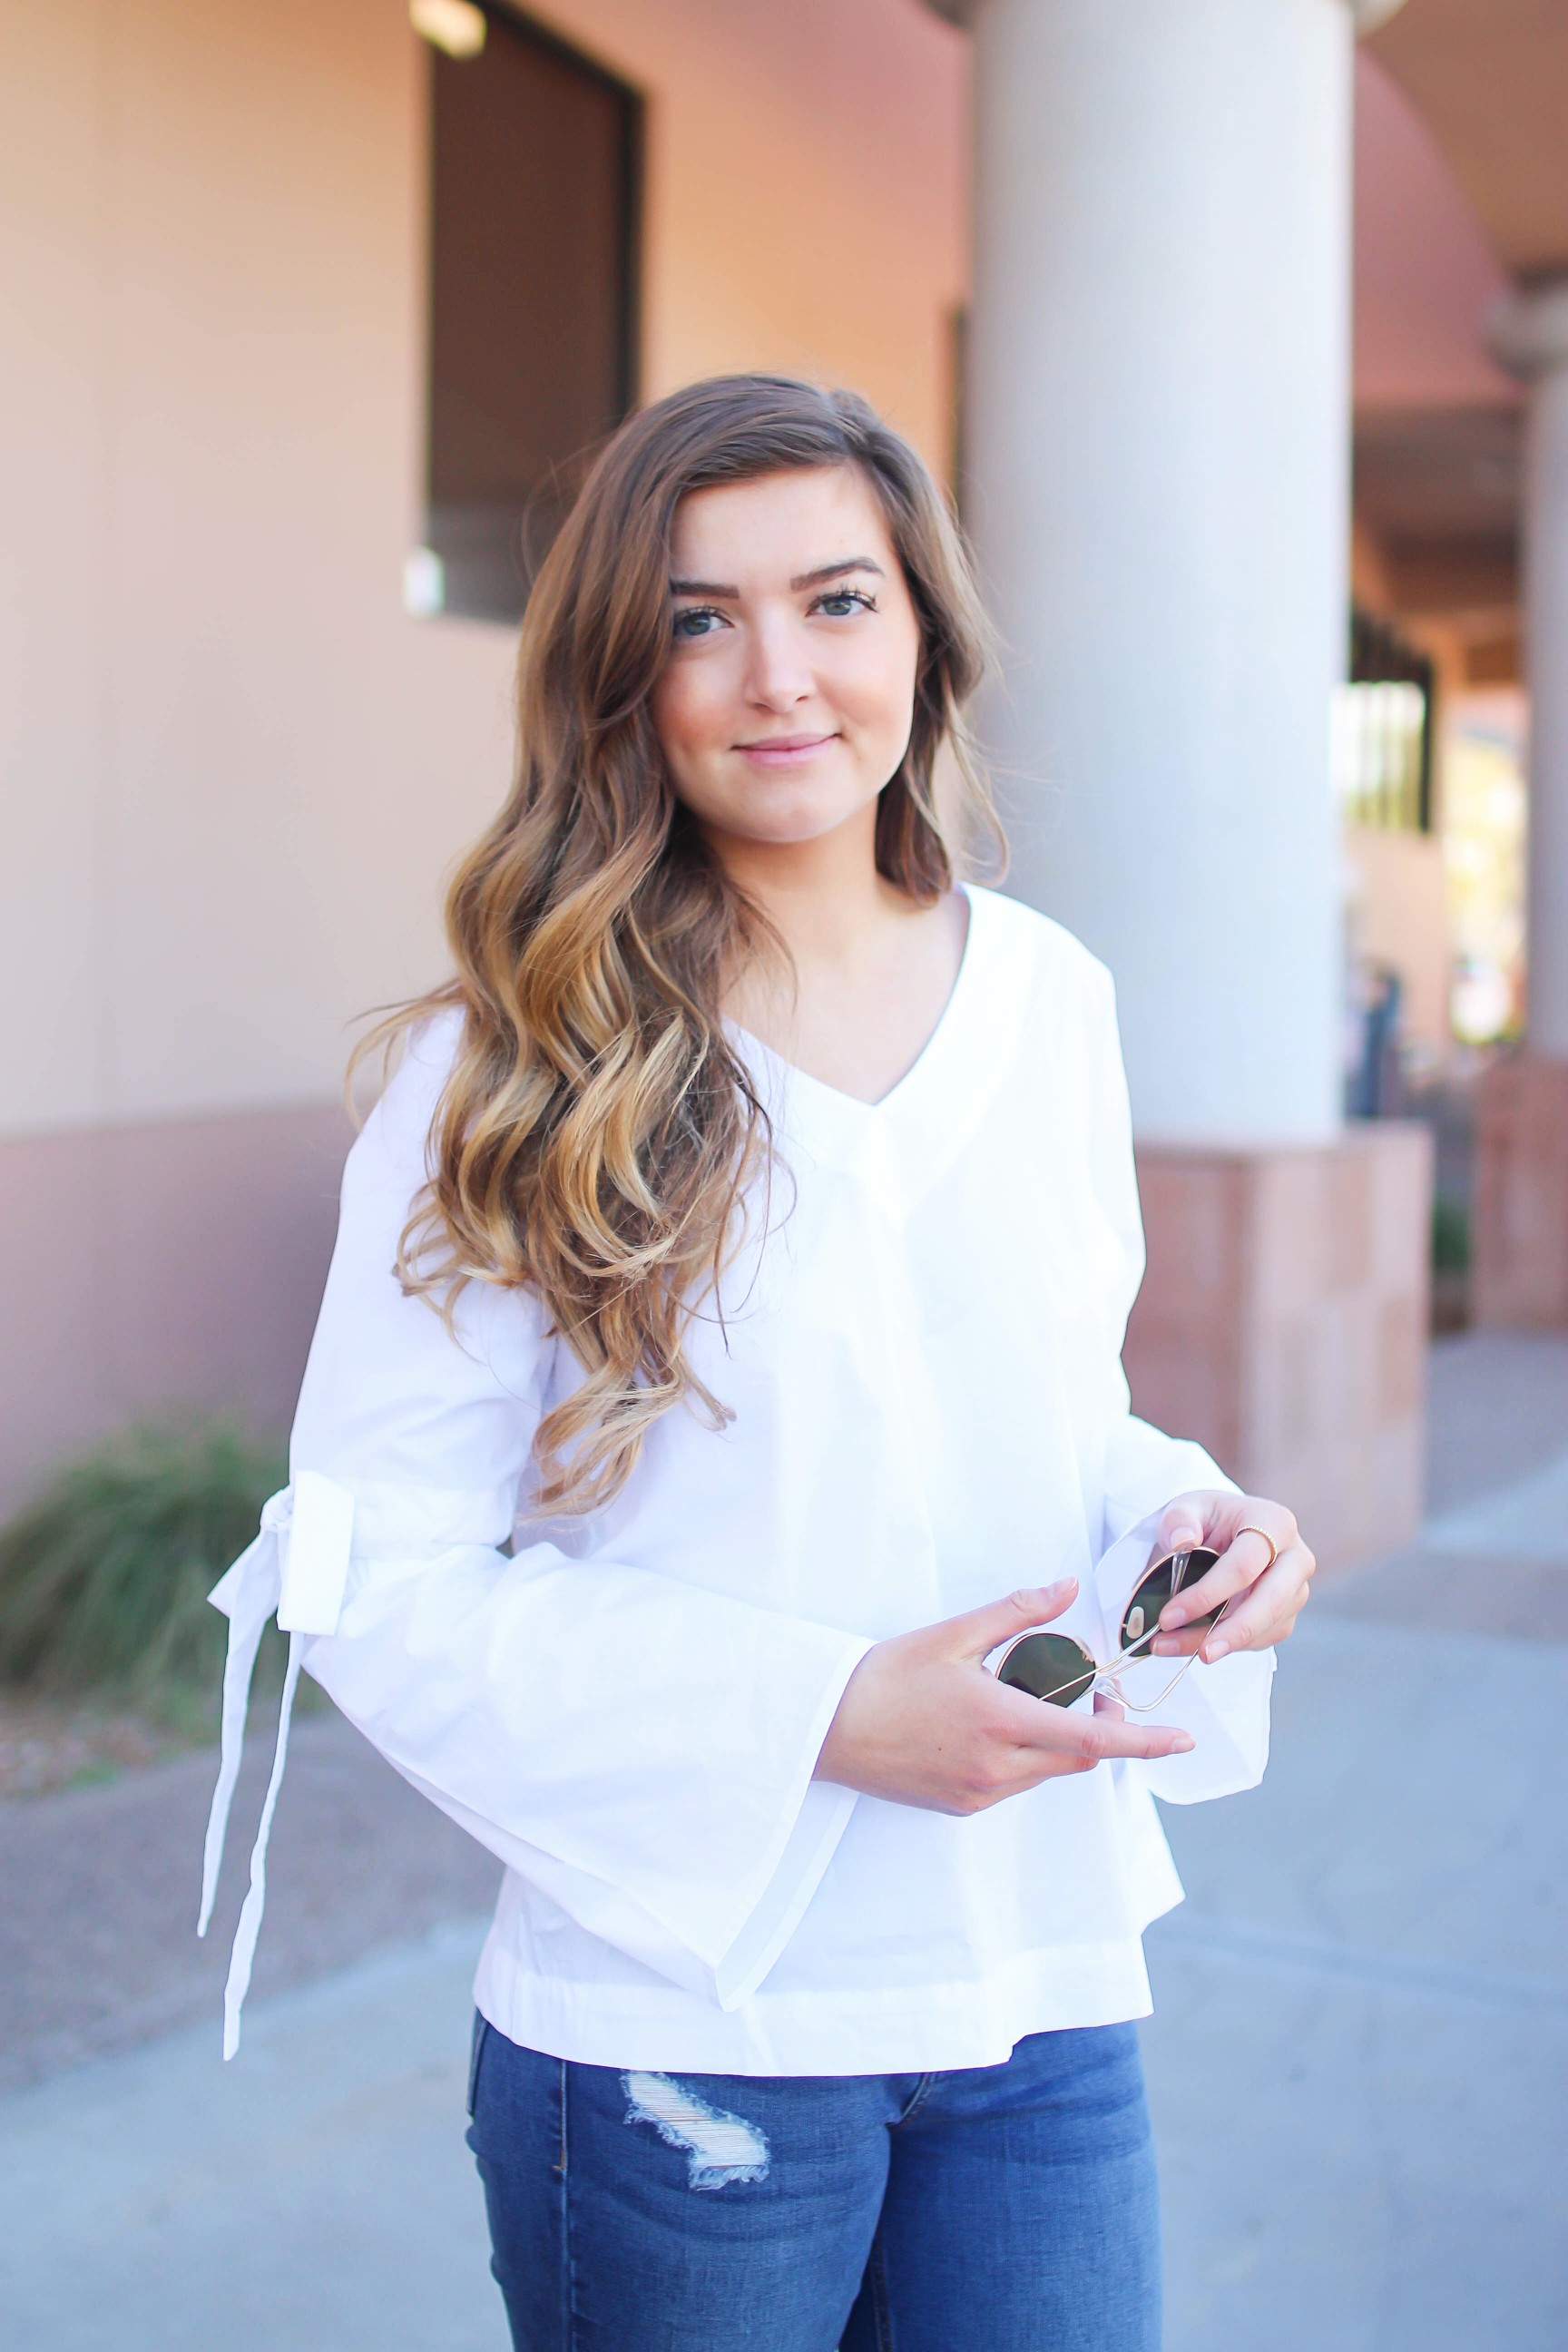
point(998, 2208)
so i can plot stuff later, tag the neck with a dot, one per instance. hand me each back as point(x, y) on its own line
point(866, 971)
point(822, 896)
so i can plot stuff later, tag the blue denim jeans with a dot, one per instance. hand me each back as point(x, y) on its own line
point(998, 2208)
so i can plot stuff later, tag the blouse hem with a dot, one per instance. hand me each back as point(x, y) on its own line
point(917, 2029)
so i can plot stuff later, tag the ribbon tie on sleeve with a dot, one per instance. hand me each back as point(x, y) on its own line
point(297, 1566)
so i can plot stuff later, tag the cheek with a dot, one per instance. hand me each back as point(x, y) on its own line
point(877, 696)
point(684, 715)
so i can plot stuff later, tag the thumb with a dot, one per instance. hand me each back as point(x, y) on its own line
point(1182, 1523)
point(980, 1630)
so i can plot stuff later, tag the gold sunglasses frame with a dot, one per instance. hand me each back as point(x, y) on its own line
point(1179, 1563)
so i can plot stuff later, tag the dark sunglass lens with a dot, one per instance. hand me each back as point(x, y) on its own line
point(1051, 1667)
point(1166, 1577)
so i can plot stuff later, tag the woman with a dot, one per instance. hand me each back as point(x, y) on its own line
point(720, 1360)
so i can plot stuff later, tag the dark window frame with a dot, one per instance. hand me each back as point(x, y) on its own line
point(547, 497)
point(1381, 655)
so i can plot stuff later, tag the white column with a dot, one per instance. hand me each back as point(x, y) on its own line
point(1531, 335)
point(1158, 487)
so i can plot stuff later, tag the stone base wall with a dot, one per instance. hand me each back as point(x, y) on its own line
point(168, 1265)
point(1283, 1323)
point(1519, 1239)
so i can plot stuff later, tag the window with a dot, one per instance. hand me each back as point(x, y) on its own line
point(1383, 732)
point(536, 172)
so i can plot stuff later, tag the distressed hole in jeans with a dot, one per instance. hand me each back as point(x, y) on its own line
point(719, 2149)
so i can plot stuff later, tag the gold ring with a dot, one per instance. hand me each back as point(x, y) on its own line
point(1273, 1546)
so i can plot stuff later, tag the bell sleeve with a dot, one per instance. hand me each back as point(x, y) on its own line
point(1225, 1706)
point(639, 1747)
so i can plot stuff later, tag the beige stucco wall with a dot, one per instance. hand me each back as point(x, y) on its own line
point(1398, 914)
point(807, 189)
point(231, 769)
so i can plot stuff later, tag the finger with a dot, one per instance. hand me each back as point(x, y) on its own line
point(1182, 1523)
point(1251, 1620)
point(1090, 1738)
point(980, 1630)
point(1105, 1704)
point(1253, 1624)
point(1271, 1610)
point(1184, 1645)
point(1244, 1560)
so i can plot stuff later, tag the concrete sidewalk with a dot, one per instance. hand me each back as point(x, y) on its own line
point(313, 2196)
point(1358, 2064)
point(1358, 2058)
point(98, 1946)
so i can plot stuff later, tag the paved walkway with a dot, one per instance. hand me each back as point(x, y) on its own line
point(97, 1948)
point(1359, 2060)
point(1358, 2063)
point(313, 2196)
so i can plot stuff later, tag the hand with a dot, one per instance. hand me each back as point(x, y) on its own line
point(1272, 1598)
point(922, 1723)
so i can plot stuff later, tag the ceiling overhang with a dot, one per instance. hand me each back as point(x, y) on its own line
point(1438, 488)
point(1365, 15)
point(1491, 79)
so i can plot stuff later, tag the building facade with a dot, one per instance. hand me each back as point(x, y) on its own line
point(270, 290)
point(235, 765)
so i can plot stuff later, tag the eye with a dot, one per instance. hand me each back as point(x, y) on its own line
point(838, 603)
point(697, 621)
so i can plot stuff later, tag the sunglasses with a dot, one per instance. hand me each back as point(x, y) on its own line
point(1057, 1668)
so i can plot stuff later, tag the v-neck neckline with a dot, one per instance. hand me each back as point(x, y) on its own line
point(853, 1106)
point(904, 1144)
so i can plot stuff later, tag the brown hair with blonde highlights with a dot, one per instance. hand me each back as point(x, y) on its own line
point(598, 1134)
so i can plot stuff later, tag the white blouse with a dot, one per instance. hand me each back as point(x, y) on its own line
point(921, 1355)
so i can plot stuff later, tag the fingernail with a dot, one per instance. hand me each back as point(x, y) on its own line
point(1173, 1613)
point(1184, 1746)
point(1215, 1649)
point(1184, 1539)
point(1164, 1647)
point(1062, 1584)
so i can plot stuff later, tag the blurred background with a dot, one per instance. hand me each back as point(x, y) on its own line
point(1239, 331)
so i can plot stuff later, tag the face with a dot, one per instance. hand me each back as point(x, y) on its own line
point(786, 703)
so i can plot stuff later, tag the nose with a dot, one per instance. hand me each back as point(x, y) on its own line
point(779, 674)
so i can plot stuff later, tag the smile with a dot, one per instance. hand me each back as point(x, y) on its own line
point(786, 751)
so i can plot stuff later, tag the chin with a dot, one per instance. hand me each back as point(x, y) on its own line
point(793, 830)
point(790, 815)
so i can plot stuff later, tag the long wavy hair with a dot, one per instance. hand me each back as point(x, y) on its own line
point(598, 1135)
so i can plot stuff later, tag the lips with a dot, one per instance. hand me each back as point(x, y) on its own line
point(777, 750)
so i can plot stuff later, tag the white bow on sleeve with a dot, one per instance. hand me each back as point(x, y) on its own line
point(297, 1566)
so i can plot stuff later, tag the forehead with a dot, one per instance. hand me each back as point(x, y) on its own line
point(779, 525)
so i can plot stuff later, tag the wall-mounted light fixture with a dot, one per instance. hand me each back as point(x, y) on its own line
point(423, 583)
point(455, 26)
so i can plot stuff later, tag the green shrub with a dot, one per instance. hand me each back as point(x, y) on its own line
point(1450, 1236)
point(104, 1578)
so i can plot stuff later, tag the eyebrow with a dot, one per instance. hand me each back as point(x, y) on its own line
point(802, 579)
